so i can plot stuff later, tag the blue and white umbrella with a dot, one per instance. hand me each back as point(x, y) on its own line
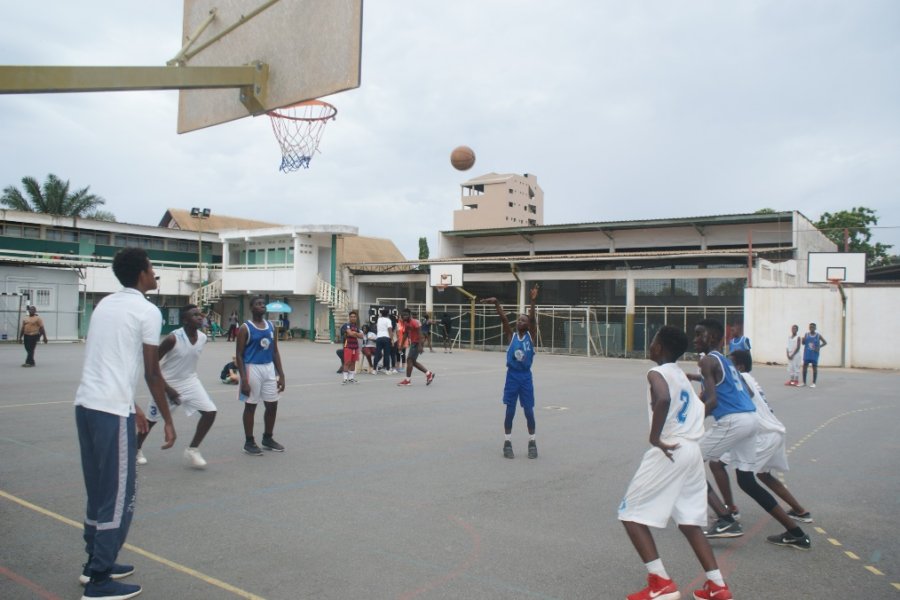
point(278, 307)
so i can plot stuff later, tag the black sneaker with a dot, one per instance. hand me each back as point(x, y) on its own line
point(786, 539)
point(803, 518)
point(507, 450)
point(117, 572)
point(110, 588)
point(532, 449)
point(252, 449)
point(723, 528)
point(270, 444)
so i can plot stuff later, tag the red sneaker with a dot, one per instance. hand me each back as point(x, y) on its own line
point(789, 383)
point(711, 591)
point(429, 377)
point(657, 588)
point(405, 382)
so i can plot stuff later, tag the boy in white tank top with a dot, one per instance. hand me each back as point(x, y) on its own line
point(671, 479)
point(178, 353)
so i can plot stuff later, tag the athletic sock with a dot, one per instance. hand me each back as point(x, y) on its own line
point(532, 437)
point(716, 577)
point(655, 567)
point(508, 437)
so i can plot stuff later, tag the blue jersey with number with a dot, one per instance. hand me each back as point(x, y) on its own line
point(520, 353)
point(731, 395)
point(812, 343)
point(260, 348)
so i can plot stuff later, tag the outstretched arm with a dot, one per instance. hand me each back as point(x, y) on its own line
point(532, 313)
point(507, 329)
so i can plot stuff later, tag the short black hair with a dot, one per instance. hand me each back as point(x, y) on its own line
point(353, 312)
point(129, 263)
point(673, 340)
point(185, 310)
point(257, 297)
point(742, 358)
point(385, 311)
point(406, 311)
point(713, 326)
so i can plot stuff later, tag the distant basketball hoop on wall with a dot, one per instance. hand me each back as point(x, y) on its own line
point(444, 276)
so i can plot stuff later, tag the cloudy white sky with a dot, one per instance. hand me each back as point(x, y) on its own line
point(623, 110)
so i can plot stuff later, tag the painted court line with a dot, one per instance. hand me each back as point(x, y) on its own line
point(154, 557)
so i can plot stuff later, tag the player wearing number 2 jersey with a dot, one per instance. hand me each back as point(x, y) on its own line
point(671, 481)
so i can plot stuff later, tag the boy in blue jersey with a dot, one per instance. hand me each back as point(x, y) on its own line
point(738, 340)
point(813, 342)
point(262, 378)
point(671, 480)
point(734, 432)
point(519, 386)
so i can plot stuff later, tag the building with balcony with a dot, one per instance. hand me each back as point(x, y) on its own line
point(499, 201)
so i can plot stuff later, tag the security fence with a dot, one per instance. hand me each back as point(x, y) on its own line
point(574, 330)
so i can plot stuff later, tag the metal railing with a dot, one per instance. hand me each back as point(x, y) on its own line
point(574, 330)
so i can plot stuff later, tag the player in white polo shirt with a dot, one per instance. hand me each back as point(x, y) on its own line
point(121, 346)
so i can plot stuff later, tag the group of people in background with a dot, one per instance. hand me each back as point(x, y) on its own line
point(802, 352)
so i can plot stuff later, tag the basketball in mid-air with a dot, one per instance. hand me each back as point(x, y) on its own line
point(462, 158)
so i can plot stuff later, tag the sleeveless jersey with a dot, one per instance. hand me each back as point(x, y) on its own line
point(686, 410)
point(520, 353)
point(739, 343)
point(730, 392)
point(767, 419)
point(812, 342)
point(181, 361)
point(792, 343)
point(260, 348)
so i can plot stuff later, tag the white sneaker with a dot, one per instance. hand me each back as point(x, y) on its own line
point(812, 385)
point(393, 371)
point(194, 458)
point(141, 459)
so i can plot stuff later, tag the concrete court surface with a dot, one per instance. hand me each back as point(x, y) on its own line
point(402, 493)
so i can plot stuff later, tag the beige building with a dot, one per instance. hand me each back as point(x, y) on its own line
point(500, 200)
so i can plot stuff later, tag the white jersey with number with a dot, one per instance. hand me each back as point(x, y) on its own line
point(686, 410)
point(767, 419)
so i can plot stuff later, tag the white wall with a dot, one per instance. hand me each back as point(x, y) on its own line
point(60, 316)
point(770, 312)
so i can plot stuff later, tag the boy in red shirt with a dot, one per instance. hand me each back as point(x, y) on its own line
point(411, 335)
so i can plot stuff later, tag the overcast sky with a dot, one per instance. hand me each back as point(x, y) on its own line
point(623, 109)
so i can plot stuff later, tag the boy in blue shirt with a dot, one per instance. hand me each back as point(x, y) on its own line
point(813, 342)
point(519, 386)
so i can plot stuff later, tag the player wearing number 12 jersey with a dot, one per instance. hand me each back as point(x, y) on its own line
point(671, 480)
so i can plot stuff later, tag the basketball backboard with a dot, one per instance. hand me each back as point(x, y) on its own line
point(446, 276)
point(846, 267)
point(312, 49)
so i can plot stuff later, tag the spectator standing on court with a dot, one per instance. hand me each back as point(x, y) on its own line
point(262, 378)
point(671, 480)
point(813, 342)
point(794, 357)
point(384, 332)
point(519, 386)
point(426, 332)
point(232, 326)
point(351, 336)
point(447, 332)
point(121, 345)
point(32, 331)
point(409, 336)
point(179, 353)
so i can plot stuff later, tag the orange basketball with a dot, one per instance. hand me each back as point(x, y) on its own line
point(462, 158)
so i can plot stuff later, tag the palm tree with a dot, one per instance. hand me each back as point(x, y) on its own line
point(54, 198)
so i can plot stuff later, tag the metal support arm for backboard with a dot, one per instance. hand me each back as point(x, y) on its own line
point(252, 80)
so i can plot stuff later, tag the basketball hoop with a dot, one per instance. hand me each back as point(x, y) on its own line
point(836, 283)
point(440, 288)
point(298, 129)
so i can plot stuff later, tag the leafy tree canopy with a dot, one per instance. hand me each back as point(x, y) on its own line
point(855, 225)
point(55, 198)
point(423, 248)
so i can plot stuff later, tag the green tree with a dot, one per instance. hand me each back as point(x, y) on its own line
point(855, 225)
point(54, 198)
point(766, 211)
point(423, 248)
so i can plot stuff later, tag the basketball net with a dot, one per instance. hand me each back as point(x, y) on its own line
point(298, 129)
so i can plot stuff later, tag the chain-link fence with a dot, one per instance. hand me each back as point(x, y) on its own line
point(575, 330)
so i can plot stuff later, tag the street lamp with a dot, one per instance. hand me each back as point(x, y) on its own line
point(200, 214)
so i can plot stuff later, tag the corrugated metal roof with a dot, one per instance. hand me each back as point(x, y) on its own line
point(183, 220)
point(735, 219)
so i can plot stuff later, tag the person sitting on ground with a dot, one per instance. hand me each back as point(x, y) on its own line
point(230, 373)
